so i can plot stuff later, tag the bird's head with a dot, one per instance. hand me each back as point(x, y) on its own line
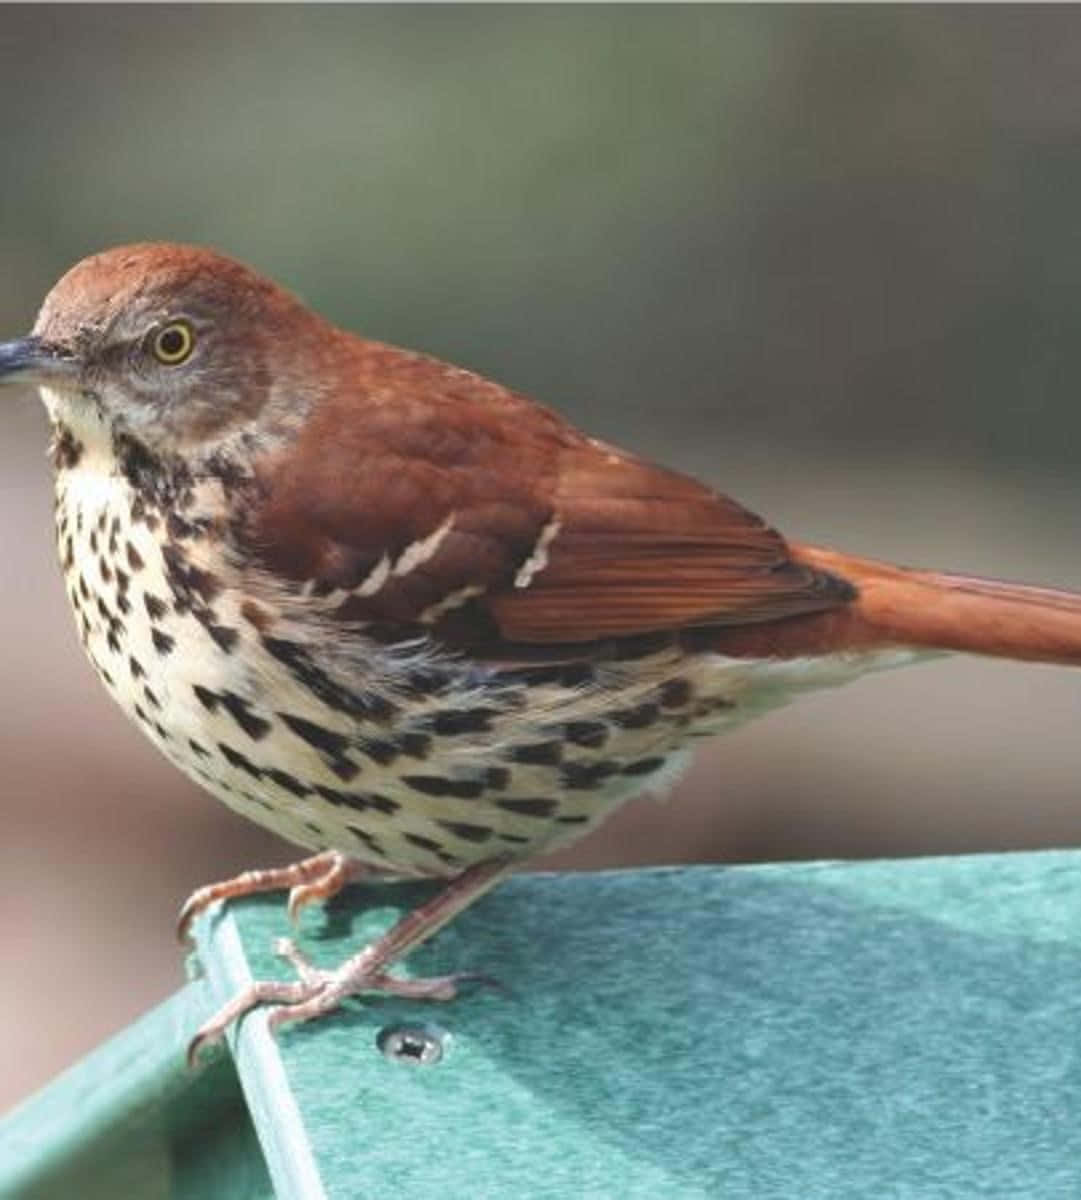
point(178, 347)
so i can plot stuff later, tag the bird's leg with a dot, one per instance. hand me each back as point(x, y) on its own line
point(319, 991)
point(311, 879)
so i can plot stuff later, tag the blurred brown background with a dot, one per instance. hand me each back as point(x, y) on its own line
point(827, 259)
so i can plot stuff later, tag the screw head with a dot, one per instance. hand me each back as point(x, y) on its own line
point(414, 1045)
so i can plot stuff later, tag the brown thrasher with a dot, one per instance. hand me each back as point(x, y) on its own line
point(407, 618)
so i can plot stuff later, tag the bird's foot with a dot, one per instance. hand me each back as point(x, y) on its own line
point(312, 879)
point(317, 992)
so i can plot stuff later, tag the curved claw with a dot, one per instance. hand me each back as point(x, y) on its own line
point(340, 870)
point(262, 992)
point(311, 879)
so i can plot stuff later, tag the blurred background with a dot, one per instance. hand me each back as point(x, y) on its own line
point(827, 259)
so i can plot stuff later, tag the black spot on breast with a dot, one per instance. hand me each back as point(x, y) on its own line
point(466, 831)
point(289, 782)
point(496, 778)
point(105, 571)
point(176, 527)
point(206, 697)
point(583, 776)
point(344, 768)
point(305, 671)
point(437, 785)
point(67, 450)
point(546, 754)
point(135, 559)
point(372, 843)
point(163, 642)
point(187, 580)
point(239, 709)
point(156, 479)
point(84, 591)
point(155, 608)
point(425, 843)
point(106, 676)
point(529, 807)
point(348, 799)
point(641, 716)
point(228, 471)
point(225, 637)
point(112, 640)
point(69, 554)
point(333, 745)
point(316, 735)
point(426, 681)
point(93, 541)
point(466, 720)
point(576, 820)
point(591, 734)
point(512, 839)
point(416, 745)
point(123, 604)
point(123, 580)
point(674, 694)
point(378, 750)
point(360, 801)
point(202, 751)
point(151, 699)
point(236, 759)
point(643, 766)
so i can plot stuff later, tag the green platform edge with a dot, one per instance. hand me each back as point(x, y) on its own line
point(907, 1029)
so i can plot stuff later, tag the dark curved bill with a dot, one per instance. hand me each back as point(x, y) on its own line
point(29, 360)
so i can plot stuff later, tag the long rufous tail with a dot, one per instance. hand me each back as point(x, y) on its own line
point(905, 606)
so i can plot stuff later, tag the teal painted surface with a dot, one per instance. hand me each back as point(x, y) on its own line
point(845, 1030)
point(131, 1121)
point(906, 1029)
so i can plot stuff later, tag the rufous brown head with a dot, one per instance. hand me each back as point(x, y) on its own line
point(180, 347)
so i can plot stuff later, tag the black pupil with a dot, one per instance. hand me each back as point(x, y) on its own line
point(171, 343)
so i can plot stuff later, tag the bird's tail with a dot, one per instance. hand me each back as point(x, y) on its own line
point(940, 611)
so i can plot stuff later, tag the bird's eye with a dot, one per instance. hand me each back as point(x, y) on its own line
point(172, 344)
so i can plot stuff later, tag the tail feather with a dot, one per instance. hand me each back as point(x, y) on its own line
point(937, 610)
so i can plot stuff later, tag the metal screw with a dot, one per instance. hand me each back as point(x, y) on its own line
point(417, 1045)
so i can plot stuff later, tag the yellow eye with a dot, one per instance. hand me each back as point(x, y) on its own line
point(173, 343)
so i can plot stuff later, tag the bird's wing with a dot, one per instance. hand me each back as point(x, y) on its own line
point(429, 495)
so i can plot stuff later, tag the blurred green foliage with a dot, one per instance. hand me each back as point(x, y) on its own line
point(786, 223)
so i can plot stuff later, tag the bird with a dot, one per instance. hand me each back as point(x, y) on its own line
point(407, 618)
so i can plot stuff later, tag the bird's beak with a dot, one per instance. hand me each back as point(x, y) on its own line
point(30, 360)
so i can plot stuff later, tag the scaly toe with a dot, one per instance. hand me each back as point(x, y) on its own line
point(307, 970)
point(255, 994)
